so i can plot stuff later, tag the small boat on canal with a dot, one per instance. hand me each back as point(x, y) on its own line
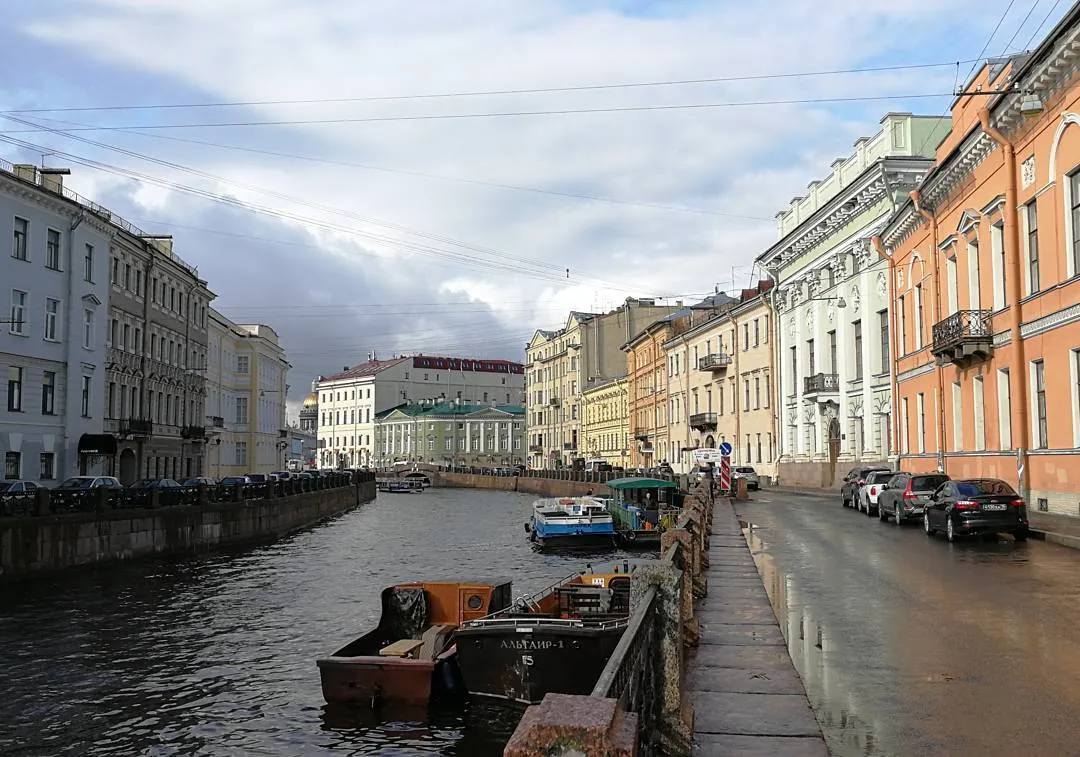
point(410, 657)
point(642, 509)
point(556, 641)
point(399, 486)
point(570, 523)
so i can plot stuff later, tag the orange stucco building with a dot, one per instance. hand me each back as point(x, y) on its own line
point(647, 391)
point(984, 263)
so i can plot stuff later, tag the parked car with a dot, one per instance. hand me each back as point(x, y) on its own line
point(155, 483)
point(200, 481)
point(76, 483)
point(856, 477)
point(256, 478)
point(871, 488)
point(905, 495)
point(976, 506)
point(749, 474)
point(283, 475)
point(234, 480)
point(17, 487)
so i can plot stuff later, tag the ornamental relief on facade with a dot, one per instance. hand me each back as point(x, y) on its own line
point(883, 403)
point(855, 408)
point(792, 327)
point(855, 297)
point(808, 415)
point(793, 417)
point(882, 285)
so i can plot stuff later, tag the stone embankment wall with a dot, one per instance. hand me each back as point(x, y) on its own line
point(50, 542)
point(544, 487)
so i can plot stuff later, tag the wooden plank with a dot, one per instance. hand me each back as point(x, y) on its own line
point(401, 648)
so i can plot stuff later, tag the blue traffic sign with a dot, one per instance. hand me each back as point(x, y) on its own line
point(725, 449)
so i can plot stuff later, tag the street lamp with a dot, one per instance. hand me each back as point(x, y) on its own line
point(840, 302)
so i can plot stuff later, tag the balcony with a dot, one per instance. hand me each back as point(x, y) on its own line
point(569, 445)
point(553, 402)
point(716, 361)
point(135, 428)
point(216, 421)
point(641, 433)
point(963, 337)
point(538, 448)
point(821, 383)
point(194, 433)
point(283, 433)
point(703, 421)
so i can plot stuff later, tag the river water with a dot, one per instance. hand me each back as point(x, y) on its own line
point(215, 655)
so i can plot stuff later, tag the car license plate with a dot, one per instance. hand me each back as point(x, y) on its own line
point(992, 506)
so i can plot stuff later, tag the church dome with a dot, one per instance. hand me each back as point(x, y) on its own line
point(312, 400)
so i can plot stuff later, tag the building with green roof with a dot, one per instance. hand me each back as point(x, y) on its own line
point(449, 434)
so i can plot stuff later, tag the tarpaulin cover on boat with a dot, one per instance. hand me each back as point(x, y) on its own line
point(640, 483)
point(408, 611)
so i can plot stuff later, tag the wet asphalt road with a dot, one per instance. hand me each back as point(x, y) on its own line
point(911, 646)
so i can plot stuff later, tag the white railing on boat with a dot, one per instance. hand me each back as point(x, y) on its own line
point(581, 622)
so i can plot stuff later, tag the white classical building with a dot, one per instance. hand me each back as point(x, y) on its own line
point(832, 345)
point(349, 401)
point(54, 282)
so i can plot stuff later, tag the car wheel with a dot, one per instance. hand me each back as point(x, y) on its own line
point(898, 519)
point(843, 499)
point(926, 525)
point(950, 529)
point(880, 511)
point(1020, 535)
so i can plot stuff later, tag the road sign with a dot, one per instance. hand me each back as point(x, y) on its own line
point(725, 449)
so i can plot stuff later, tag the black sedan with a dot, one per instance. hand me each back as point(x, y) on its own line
point(976, 506)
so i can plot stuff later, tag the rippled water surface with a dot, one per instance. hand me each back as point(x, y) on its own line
point(215, 655)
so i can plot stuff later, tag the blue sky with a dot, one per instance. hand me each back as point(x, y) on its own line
point(389, 234)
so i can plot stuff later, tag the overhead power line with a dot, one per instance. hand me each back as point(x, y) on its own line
point(494, 92)
point(501, 114)
point(1039, 28)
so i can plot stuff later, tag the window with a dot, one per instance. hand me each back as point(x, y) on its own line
point(12, 465)
point(974, 276)
point(746, 336)
point(126, 343)
point(902, 343)
point(110, 400)
point(47, 465)
point(832, 351)
point(52, 249)
point(14, 389)
point(85, 396)
point(794, 375)
point(243, 364)
point(1040, 404)
point(88, 329)
point(1031, 218)
point(746, 394)
point(957, 416)
point(1074, 367)
point(757, 333)
point(768, 389)
point(18, 312)
point(883, 334)
point(242, 410)
point(48, 393)
point(997, 254)
point(920, 420)
point(18, 242)
point(241, 453)
point(757, 395)
point(919, 315)
point(759, 448)
point(88, 263)
point(904, 428)
point(980, 413)
point(1074, 202)
point(115, 277)
point(52, 311)
point(856, 326)
point(810, 356)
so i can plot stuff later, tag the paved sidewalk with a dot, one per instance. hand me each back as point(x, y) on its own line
point(1060, 529)
point(748, 699)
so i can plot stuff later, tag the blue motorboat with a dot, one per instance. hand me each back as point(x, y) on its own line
point(571, 523)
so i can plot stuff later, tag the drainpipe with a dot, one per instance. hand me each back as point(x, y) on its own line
point(145, 411)
point(738, 389)
point(932, 220)
point(894, 384)
point(1018, 375)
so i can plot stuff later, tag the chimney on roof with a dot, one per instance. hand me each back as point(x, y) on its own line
point(345, 369)
point(26, 172)
point(52, 179)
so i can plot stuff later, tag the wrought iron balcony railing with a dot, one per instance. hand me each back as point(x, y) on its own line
point(821, 383)
point(716, 361)
point(195, 433)
point(964, 336)
point(703, 421)
point(136, 428)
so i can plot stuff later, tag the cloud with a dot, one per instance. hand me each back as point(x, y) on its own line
point(344, 260)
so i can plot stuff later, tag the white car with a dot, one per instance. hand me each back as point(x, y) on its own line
point(871, 488)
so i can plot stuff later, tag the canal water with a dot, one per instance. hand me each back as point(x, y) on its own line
point(215, 655)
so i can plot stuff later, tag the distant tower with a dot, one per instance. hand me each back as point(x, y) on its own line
point(309, 412)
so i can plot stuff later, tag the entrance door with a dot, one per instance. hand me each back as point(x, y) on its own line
point(128, 467)
point(834, 440)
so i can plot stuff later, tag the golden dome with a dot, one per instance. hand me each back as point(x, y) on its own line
point(312, 400)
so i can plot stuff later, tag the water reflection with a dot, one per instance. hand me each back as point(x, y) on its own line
point(215, 655)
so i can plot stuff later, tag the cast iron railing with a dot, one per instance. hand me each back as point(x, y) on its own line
point(713, 362)
point(821, 382)
point(703, 421)
point(960, 327)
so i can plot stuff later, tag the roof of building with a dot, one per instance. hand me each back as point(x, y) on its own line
point(312, 400)
point(443, 409)
point(368, 368)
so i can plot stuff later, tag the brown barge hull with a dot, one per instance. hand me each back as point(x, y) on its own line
point(369, 679)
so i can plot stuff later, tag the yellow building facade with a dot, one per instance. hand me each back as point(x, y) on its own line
point(605, 423)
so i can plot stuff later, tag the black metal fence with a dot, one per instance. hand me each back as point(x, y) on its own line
point(567, 474)
point(57, 501)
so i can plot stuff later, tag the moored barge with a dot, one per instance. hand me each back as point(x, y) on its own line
point(409, 657)
point(571, 523)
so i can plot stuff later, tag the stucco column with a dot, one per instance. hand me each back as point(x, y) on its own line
point(871, 301)
point(795, 332)
point(845, 335)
